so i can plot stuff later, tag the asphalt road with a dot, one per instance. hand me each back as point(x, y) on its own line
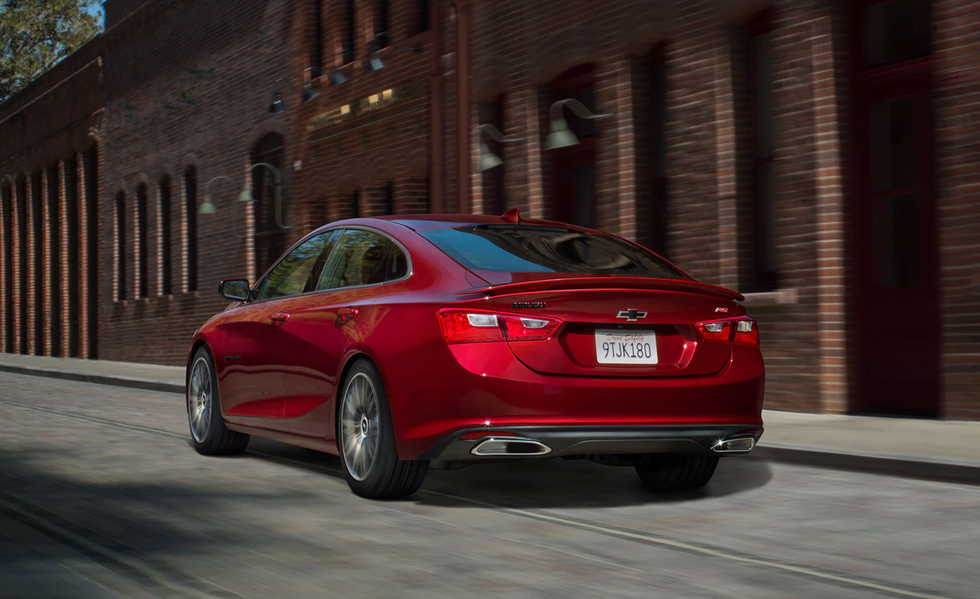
point(101, 495)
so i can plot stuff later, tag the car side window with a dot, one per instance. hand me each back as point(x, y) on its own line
point(358, 259)
point(293, 274)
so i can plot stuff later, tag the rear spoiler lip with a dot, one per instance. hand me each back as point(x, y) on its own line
point(640, 283)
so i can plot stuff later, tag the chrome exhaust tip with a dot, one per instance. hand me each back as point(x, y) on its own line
point(510, 446)
point(736, 445)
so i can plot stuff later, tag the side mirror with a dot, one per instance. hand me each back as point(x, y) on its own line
point(234, 289)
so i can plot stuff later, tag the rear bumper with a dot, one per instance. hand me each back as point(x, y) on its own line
point(588, 440)
point(437, 395)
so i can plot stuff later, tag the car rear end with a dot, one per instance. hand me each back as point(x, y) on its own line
point(574, 343)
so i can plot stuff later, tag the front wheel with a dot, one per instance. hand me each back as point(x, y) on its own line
point(675, 472)
point(367, 440)
point(208, 431)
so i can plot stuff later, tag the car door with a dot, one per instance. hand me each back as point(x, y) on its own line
point(253, 361)
point(323, 323)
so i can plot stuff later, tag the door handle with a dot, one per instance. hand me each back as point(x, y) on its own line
point(279, 318)
point(345, 315)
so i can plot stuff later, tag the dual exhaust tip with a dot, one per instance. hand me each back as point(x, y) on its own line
point(522, 446)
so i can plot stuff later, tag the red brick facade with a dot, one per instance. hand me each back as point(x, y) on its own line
point(769, 203)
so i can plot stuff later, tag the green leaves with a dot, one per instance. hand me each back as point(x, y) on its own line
point(36, 34)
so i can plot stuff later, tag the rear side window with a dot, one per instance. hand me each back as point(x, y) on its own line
point(529, 248)
point(397, 264)
point(358, 259)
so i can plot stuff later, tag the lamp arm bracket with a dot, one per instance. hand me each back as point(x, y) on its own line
point(496, 134)
point(576, 107)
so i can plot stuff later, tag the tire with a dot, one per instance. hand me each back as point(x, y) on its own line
point(676, 472)
point(366, 439)
point(207, 427)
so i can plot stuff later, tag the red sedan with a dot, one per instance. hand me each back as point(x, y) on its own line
point(407, 342)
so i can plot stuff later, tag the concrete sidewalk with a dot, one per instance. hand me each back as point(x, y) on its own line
point(932, 449)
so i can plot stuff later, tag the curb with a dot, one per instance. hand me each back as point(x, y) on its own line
point(99, 379)
point(934, 469)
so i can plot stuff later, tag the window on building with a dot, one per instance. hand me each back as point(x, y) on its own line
point(382, 36)
point(7, 200)
point(165, 232)
point(422, 16)
point(56, 272)
point(764, 176)
point(38, 229)
point(73, 266)
point(895, 30)
point(571, 170)
point(190, 212)
point(270, 238)
point(120, 230)
point(92, 242)
point(494, 188)
point(657, 157)
point(21, 191)
point(355, 204)
point(142, 229)
point(753, 78)
point(316, 44)
point(389, 193)
point(348, 33)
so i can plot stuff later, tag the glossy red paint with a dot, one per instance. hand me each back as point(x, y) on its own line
point(281, 380)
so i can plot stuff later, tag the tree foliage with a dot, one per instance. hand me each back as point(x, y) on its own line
point(36, 34)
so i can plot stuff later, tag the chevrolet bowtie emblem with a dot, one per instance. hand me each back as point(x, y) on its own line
point(631, 315)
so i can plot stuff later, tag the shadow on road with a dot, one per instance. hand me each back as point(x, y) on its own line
point(547, 483)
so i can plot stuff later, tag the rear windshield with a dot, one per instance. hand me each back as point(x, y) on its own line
point(528, 248)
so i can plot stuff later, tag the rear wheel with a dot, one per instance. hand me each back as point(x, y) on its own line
point(676, 472)
point(208, 431)
point(367, 440)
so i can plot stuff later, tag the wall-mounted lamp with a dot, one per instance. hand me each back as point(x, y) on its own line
point(488, 159)
point(308, 92)
point(208, 207)
point(374, 62)
point(336, 77)
point(560, 136)
point(277, 106)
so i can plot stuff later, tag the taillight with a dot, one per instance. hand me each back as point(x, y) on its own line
point(746, 332)
point(475, 326)
point(741, 330)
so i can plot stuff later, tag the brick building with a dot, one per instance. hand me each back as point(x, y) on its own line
point(817, 155)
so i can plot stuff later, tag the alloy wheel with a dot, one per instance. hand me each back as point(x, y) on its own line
point(360, 426)
point(199, 400)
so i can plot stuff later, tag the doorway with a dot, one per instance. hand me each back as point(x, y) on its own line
point(895, 280)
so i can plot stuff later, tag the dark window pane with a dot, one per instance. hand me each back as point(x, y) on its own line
point(516, 248)
point(423, 15)
point(893, 144)
point(358, 259)
point(763, 95)
point(190, 209)
point(292, 274)
point(896, 251)
point(397, 264)
point(120, 247)
point(896, 30)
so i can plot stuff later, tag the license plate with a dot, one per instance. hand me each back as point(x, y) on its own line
point(625, 347)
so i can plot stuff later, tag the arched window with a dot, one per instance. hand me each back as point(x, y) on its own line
point(270, 239)
point(120, 231)
point(190, 216)
point(165, 234)
point(571, 169)
point(142, 276)
point(74, 253)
